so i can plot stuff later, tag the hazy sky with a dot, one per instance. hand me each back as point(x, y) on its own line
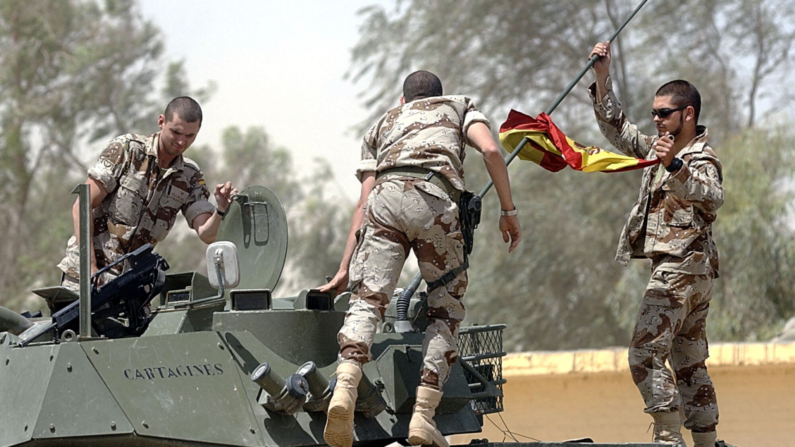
point(279, 65)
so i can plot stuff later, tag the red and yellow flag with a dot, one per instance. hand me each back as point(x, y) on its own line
point(553, 150)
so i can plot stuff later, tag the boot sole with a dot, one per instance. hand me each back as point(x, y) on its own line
point(339, 427)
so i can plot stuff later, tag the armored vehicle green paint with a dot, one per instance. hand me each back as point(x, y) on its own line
point(206, 367)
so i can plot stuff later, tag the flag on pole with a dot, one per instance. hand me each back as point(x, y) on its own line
point(553, 150)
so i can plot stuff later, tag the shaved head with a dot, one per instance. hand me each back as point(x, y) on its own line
point(421, 84)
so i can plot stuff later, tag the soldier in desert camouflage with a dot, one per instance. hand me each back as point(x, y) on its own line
point(671, 224)
point(412, 176)
point(138, 186)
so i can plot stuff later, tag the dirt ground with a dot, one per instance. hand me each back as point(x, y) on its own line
point(757, 408)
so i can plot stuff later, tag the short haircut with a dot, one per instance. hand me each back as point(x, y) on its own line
point(421, 84)
point(187, 109)
point(682, 94)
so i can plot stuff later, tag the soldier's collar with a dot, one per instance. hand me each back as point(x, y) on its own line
point(698, 143)
point(151, 149)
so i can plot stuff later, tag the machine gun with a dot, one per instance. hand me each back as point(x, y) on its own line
point(127, 294)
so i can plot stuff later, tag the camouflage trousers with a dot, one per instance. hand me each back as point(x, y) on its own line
point(70, 265)
point(401, 215)
point(671, 327)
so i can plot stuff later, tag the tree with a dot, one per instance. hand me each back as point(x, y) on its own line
point(77, 72)
point(561, 288)
point(71, 73)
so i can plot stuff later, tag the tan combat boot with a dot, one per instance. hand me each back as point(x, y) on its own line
point(666, 429)
point(339, 422)
point(707, 439)
point(422, 428)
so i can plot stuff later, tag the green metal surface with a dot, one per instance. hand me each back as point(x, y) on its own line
point(296, 336)
point(194, 284)
point(257, 225)
point(187, 380)
point(32, 367)
point(306, 428)
point(166, 323)
point(77, 402)
point(273, 428)
point(400, 367)
point(183, 387)
point(13, 322)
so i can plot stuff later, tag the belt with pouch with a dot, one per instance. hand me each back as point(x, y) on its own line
point(423, 174)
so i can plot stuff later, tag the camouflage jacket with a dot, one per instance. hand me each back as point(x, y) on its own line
point(428, 133)
point(671, 222)
point(142, 201)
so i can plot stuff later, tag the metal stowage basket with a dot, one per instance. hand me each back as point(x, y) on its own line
point(480, 349)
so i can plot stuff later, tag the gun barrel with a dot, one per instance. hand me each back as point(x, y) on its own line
point(13, 322)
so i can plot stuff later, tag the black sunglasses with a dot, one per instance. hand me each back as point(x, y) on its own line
point(664, 113)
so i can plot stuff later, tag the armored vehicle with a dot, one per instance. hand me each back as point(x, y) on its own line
point(186, 359)
point(220, 360)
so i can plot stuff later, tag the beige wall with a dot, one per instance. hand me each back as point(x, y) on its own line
point(554, 396)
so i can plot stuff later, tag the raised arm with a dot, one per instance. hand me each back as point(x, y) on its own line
point(207, 224)
point(613, 124)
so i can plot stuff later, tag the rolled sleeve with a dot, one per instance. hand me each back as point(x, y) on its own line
point(108, 168)
point(368, 162)
point(471, 117)
point(365, 166)
point(197, 202)
point(196, 209)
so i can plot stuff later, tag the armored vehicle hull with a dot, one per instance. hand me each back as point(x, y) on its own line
point(204, 369)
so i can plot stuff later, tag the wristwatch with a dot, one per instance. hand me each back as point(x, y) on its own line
point(512, 212)
point(676, 164)
point(221, 213)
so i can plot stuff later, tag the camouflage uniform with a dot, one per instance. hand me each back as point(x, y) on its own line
point(142, 202)
point(408, 213)
point(671, 224)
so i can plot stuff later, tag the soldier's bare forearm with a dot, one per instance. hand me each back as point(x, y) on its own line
point(207, 226)
point(498, 172)
point(357, 220)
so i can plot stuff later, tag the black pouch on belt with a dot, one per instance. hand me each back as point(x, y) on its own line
point(469, 206)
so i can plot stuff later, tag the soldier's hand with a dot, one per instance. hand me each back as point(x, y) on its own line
point(337, 285)
point(663, 147)
point(602, 65)
point(511, 231)
point(223, 195)
point(94, 270)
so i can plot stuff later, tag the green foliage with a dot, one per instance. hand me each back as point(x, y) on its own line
point(70, 72)
point(755, 236)
point(319, 230)
point(561, 289)
point(74, 72)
